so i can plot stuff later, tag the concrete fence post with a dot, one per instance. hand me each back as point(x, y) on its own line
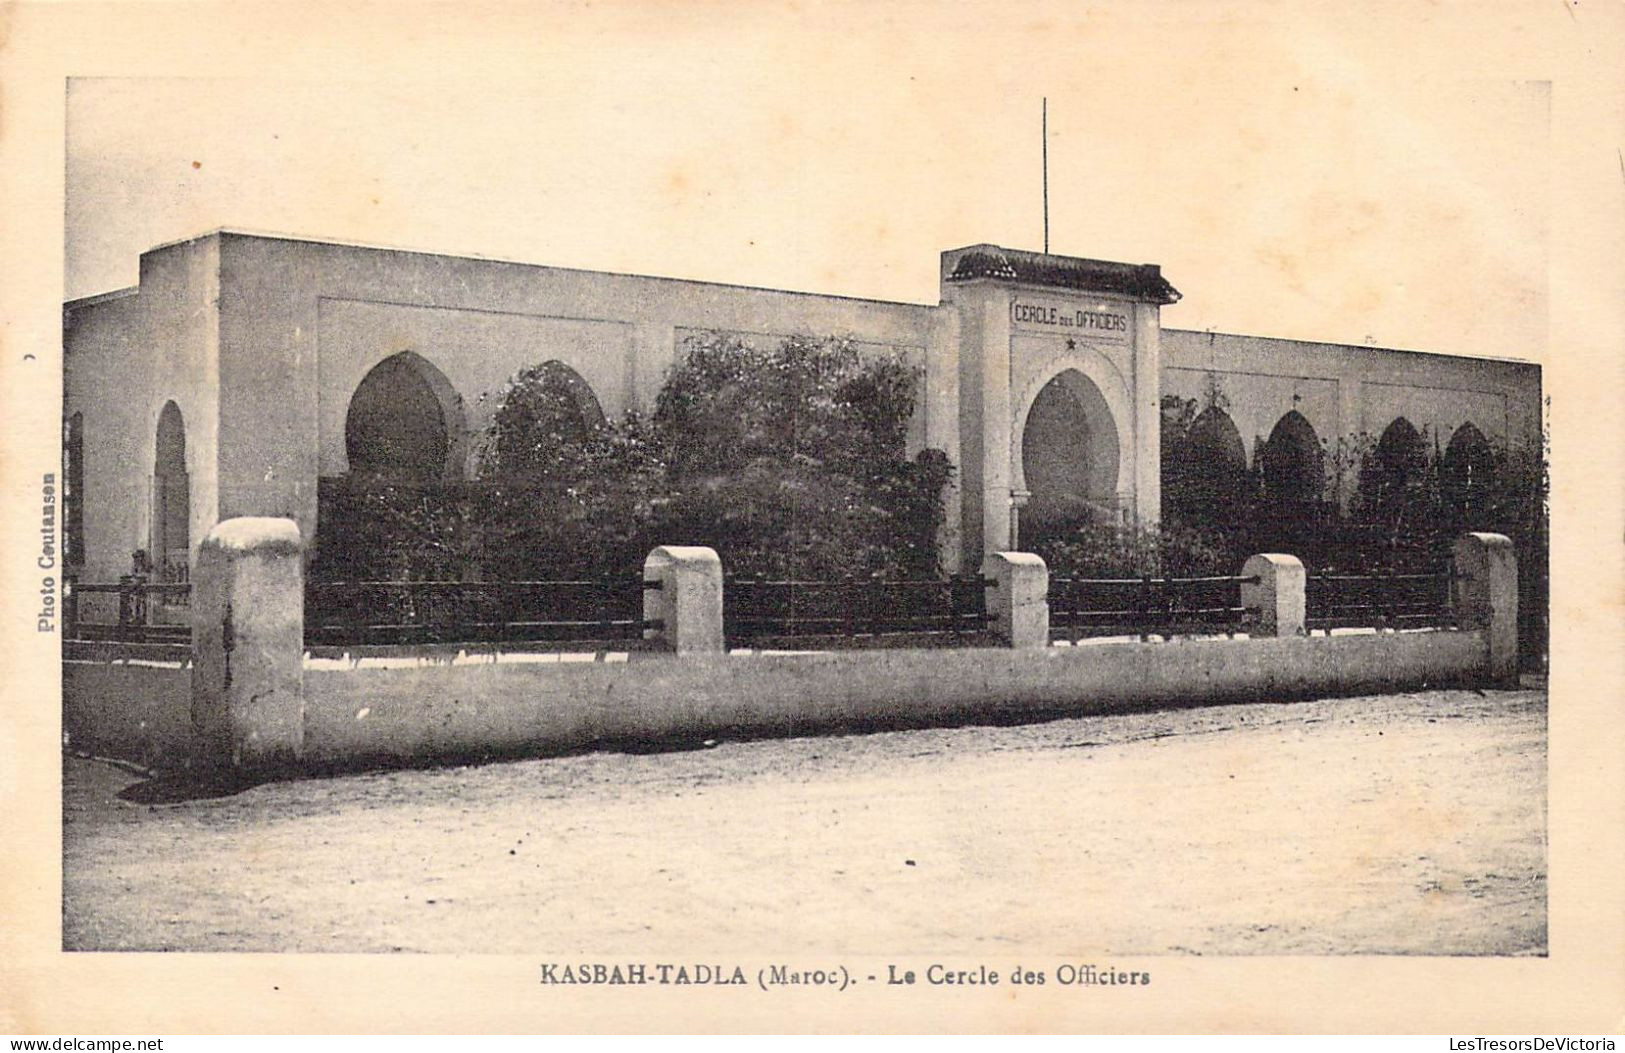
point(688, 599)
point(1484, 593)
point(248, 641)
point(1018, 598)
point(1275, 603)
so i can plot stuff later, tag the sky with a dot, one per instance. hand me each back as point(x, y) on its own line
point(1294, 177)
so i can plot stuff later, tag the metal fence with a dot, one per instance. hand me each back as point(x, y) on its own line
point(763, 611)
point(128, 622)
point(1379, 601)
point(758, 612)
point(1146, 606)
point(406, 612)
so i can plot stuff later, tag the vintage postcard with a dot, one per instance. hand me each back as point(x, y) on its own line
point(751, 517)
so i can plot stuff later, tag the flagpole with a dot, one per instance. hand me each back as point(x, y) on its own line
point(1045, 136)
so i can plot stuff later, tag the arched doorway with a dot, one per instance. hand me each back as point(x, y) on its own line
point(172, 498)
point(404, 424)
point(1293, 465)
point(1069, 458)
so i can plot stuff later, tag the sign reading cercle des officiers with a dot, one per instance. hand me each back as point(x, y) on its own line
point(1097, 320)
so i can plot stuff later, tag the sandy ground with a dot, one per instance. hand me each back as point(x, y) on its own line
point(1409, 824)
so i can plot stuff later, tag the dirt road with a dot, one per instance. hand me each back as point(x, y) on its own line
point(1402, 824)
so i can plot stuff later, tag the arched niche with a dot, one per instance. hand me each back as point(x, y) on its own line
point(171, 498)
point(1292, 463)
point(405, 424)
point(1204, 470)
point(547, 409)
point(1467, 471)
point(1396, 464)
point(568, 400)
point(1070, 456)
point(1215, 440)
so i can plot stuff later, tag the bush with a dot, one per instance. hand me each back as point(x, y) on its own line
point(789, 462)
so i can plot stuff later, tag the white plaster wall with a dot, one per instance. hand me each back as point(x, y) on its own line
point(124, 357)
point(449, 711)
point(1256, 402)
point(1346, 390)
point(1438, 410)
point(301, 322)
point(474, 349)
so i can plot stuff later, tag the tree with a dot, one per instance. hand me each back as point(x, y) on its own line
point(545, 423)
point(791, 460)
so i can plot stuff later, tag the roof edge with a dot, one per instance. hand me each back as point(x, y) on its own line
point(1142, 281)
point(1497, 359)
point(101, 297)
point(239, 232)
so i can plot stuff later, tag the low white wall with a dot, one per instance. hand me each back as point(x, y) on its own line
point(503, 710)
point(134, 711)
point(256, 704)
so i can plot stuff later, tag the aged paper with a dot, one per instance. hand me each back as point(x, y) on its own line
point(1446, 178)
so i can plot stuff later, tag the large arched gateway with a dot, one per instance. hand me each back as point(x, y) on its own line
point(1070, 458)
